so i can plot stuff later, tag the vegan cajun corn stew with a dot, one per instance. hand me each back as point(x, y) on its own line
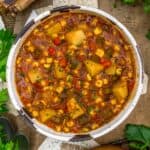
point(75, 72)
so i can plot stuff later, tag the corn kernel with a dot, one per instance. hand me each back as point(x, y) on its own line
point(63, 22)
point(62, 83)
point(84, 92)
point(113, 102)
point(43, 83)
point(35, 64)
point(46, 26)
point(97, 31)
point(100, 92)
point(59, 89)
point(103, 104)
point(92, 113)
point(114, 32)
point(58, 128)
point(47, 65)
point(118, 71)
point(94, 21)
point(28, 43)
point(66, 129)
point(28, 60)
point(130, 74)
point(105, 81)
point(19, 60)
point(35, 31)
point(28, 105)
point(76, 71)
point(60, 111)
point(70, 123)
point(54, 35)
point(42, 61)
point(116, 47)
point(122, 101)
point(126, 47)
point(46, 88)
point(99, 83)
point(94, 126)
point(88, 77)
point(86, 85)
point(62, 37)
point(45, 53)
point(108, 43)
point(56, 99)
point(35, 114)
point(49, 60)
point(85, 129)
point(98, 100)
point(31, 48)
point(100, 52)
point(74, 47)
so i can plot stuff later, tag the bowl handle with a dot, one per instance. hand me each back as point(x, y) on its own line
point(64, 8)
point(145, 83)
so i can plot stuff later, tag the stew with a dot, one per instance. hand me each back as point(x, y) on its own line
point(75, 72)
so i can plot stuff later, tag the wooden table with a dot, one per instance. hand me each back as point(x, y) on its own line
point(138, 23)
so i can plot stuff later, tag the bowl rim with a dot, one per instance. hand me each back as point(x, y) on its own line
point(106, 128)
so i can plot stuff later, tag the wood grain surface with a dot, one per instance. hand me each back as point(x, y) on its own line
point(138, 23)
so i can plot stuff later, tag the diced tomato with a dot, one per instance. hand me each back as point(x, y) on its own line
point(51, 51)
point(105, 62)
point(63, 62)
point(26, 102)
point(131, 84)
point(76, 84)
point(92, 45)
point(57, 41)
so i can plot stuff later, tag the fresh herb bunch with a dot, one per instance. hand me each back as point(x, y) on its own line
point(138, 136)
point(6, 40)
point(3, 99)
point(9, 140)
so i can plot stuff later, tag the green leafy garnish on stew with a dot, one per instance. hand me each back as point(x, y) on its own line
point(138, 136)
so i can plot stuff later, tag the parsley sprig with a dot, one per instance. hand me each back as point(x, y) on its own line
point(6, 40)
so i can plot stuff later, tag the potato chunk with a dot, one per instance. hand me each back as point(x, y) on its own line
point(47, 114)
point(59, 72)
point(75, 37)
point(120, 90)
point(111, 70)
point(92, 67)
point(34, 75)
point(74, 108)
point(54, 29)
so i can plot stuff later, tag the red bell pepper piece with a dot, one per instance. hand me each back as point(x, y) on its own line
point(105, 62)
point(51, 51)
point(57, 41)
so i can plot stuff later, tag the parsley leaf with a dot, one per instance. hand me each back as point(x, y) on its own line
point(148, 35)
point(147, 6)
point(3, 95)
point(6, 40)
point(138, 136)
point(129, 2)
point(3, 99)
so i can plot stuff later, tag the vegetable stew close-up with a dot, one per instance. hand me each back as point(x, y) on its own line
point(75, 72)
